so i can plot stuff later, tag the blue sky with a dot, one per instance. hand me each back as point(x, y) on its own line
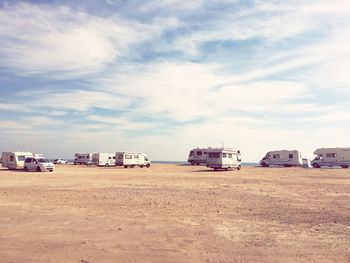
point(166, 76)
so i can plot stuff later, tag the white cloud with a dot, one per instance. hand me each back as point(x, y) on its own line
point(42, 39)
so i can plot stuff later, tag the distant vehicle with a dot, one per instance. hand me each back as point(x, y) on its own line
point(83, 158)
point(197, 156)
point(331, 157)
point(39, 164)
point(103, 159)
point(131, 159)
point(14, 160)
point(223, 158)
point(284, 158)
point(60, 161)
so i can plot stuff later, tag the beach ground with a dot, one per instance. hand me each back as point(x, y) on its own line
point(175, 213)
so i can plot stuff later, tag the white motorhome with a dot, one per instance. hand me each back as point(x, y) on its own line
point(331, 157)
point(131, 159)
point(14, 160)
point(83, 158)
point(103, 159)
point(286, 158)
point(223, 158)
point(197, 156)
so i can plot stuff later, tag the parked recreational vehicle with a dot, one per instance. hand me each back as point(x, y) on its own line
point(38, 163)
point(197, 156)
point(223, 158)
point(14, 160)
point(284, 158)
point(131, 159)
point(103, 159)
point(83, 158)
point(332, 157)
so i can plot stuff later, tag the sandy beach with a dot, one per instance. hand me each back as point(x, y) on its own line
point(175, 213)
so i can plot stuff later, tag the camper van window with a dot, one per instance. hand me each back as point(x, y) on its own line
point(199, 153)
point(214, 155)
point(109, 157)
point(276, 156)
point(87, 156)
point(224, 155)
point(21, 158)
point(113, 157)
point(128, 156)
point(331, 155)
point(146, 158)
point(136, 156)
point(11, 158)
point(290, 156)
point(191, 153)
point(230, 155)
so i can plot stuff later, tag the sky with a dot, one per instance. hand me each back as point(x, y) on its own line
point(163, 77)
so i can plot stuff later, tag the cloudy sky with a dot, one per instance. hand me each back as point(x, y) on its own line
point(165, 76)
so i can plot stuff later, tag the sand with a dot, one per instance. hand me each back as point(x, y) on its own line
point(175, 213)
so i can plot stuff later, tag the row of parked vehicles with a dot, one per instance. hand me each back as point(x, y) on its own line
point(330, 157)
point(36, 162)
point(126, 159)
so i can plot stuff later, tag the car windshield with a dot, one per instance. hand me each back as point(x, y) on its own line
point(43, 160)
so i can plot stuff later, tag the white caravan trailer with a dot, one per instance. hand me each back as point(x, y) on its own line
point(83, 158)
point(223, 158)
point(103, 159)
point(284, 158)
point(131, 159)
point(197, 156)
point(14, 160)
point(332, 157)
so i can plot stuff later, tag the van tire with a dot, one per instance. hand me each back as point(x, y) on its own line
point(263, 164)
point(38, 169)
point(239, 167)
point(316, 165)
point(148, 165)
point(344, 166)
point(141, 166)
point(125, 166)
point(107, 165)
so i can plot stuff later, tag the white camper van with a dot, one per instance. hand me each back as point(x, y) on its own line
point(131, 159)
point(284, 158)
point(223, 158)
point(332, 157)
point(38, 163)
point(197, 156)
point(14, 160)
point(83, 158)
point(103, 159)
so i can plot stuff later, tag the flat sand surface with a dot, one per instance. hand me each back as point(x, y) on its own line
point(175, 213)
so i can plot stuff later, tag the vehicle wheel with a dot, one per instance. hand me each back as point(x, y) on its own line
point(141, 166)
point(125, 166)
point(38, 169)
point(132, 166)
point(148, 165)
point(315, 165)
point(26, 168)
point(192, 163)
point(263, 164)
point(344, 166)
point(286, 165)
point(107, 165)
point(239, 167)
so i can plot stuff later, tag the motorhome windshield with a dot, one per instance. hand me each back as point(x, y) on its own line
point(318, 157)
point(266, 157)
point(43, 160)
point(21, 157)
